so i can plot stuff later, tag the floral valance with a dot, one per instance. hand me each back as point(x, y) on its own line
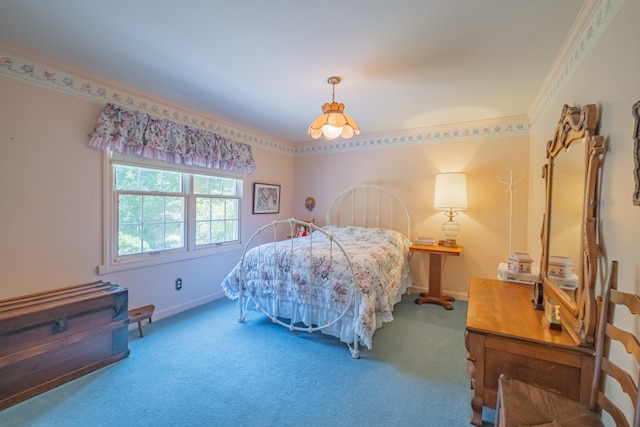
point(138, 133)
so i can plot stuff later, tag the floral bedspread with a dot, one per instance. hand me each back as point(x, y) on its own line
point(316, 273)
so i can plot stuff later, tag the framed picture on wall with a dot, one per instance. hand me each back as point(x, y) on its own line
point(266, 198)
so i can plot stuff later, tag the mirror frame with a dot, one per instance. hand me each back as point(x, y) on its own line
point(636, 153)
point(577, 315)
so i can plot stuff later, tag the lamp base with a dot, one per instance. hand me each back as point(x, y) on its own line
point(450, 243)
point(451, 230)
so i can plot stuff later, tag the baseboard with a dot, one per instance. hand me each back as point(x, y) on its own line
point(170, 311)
point(457, 295)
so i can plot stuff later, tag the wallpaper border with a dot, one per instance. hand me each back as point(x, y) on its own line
point(462, 131)
point(33, 72)
point(43, 75)
point(573, 55)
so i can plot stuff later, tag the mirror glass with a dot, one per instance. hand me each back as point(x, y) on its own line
point(566, 221)
point(569, 249)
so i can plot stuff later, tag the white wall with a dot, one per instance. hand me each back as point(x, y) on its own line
point(410, 172)
point(51, 205)
point(608, 77)
point(53, 238)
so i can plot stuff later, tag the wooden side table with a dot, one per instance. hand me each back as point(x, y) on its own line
point(434, 296)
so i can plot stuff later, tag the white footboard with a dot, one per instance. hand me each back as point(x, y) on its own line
point(304, 283)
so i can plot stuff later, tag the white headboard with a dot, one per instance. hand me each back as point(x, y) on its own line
point(369, 206)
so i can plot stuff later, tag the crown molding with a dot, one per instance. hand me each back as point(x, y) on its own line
point(593, 18)
point(34, 71)
point(506, 126)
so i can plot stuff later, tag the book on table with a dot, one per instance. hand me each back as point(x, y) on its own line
point(425, 241)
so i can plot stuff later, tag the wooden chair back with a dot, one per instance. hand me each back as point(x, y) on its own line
point(607, 334)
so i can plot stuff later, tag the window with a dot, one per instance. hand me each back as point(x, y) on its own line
point(216, 209)
point(157, 213)
point(151, 210)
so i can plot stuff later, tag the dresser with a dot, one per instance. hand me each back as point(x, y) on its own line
point(505, 335)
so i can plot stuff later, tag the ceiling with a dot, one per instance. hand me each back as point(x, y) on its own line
point(263, 65)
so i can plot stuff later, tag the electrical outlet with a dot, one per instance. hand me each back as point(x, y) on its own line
point(178, 284)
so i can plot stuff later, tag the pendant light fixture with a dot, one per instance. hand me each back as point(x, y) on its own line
point(333, 122)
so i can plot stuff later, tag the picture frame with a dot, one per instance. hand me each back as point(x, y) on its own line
point(266, 198)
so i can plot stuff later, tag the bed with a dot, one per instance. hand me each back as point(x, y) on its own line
point(342, 279)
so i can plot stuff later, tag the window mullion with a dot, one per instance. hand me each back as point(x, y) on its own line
point(190, 217)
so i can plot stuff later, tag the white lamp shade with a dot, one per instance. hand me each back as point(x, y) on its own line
point(451, 191)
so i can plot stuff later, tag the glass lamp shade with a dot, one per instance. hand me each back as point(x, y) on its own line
point(333, 123)
point(451, 197)
point(331, 132)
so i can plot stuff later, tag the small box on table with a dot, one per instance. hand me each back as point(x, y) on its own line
point(519, 262)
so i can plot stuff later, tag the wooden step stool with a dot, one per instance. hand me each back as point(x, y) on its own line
point(140, 314)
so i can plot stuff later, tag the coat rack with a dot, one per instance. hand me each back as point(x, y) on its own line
point(511, 189)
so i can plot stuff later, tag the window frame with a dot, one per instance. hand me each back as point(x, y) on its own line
point(113, 263)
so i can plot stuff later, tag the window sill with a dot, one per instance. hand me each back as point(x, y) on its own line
point(166, 258)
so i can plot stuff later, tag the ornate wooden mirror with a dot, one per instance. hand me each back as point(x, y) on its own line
point(569, 247)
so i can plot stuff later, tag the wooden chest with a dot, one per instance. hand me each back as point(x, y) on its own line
point(50, 338)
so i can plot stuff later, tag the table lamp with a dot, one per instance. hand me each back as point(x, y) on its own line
point(451, 197)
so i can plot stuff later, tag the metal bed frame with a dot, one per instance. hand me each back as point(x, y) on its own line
point(363, 206)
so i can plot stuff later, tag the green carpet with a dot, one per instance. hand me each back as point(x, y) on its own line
point(203, 368)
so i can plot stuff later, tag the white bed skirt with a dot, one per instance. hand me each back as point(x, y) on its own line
point(305, 314)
